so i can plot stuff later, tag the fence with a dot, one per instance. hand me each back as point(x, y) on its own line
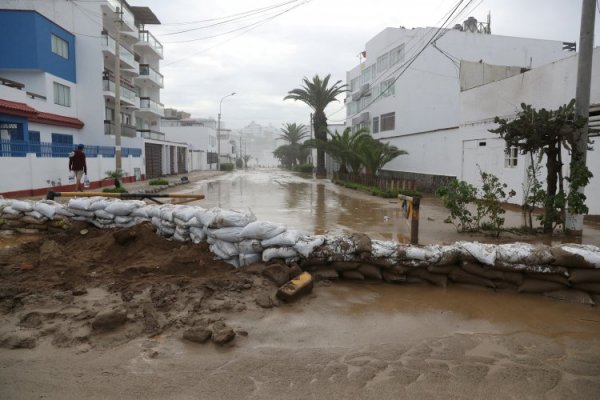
point(383, 183)
point(11, 148)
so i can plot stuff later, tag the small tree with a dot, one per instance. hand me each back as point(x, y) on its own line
point(344, 148)
point(375, 154)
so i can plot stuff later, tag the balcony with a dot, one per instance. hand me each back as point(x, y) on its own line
point(150, 106)
point(126, 130)
point(147, 40)
point(128, 95)
point(125, 13)
point(126, 56)
point(150, 134)
point(149, 75)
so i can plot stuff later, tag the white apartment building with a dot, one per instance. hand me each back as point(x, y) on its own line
point(200, 136)
point(58, 90)
point(440, 107)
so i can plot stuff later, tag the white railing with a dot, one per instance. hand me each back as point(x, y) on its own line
point(150, 105)
point(147, 37)
point(155, 76)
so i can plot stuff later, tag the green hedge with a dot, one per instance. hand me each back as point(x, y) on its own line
point(226, 166)
point(115, 190)
point(159, 182)
point(375, 191)
point(304, 168)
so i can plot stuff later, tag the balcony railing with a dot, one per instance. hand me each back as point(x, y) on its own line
point(126, 93)
point(147, 104)
point(156, 77)
point(10, 148)
point(108, 43)
point(150, 134)
point(147, 37)
point(126, 130)
point(128, 17)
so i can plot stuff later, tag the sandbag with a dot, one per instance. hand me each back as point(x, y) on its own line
point(348, 265)
point(11, 211)
point(103, 214)
point(287, 238)
point(230, 218)
point(152, 210)
point(21, 205)
point(80, 203)
point(122, 220)
point(576, 256)
point(449, 255)
point(392, 276)
point(579, 275)
point(34, 214)
point(121, 208)
point(141, 212)
point(166, 212)
point(370, 271)
point(250, 246)
point(99, 203)
point(184, 213)
point(441, 269)
point(324, 273)
point(550, 278)
point(249, 258)
point(478, 270)
point(538, 286)
point(229, 234)
point(461, 276)
point(535, 269)
point(47, 210)
point(206, 217)
point(384, 249)
point(82, 213)
point(261, 230)
point(590, 287)
point(523, 253)
point(181, 237)
point(480, 252)
point(432, 253)
point(235, 261)
point(305, 246)
point(65, 212)
point(278, 252)
point(352, 275)
point(100, 224)
point(434, 279)
point(197, 234)
point(227, 248)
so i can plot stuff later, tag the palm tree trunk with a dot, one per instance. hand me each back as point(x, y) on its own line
point(320, 126)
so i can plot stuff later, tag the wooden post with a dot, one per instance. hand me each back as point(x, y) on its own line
point(414, 224)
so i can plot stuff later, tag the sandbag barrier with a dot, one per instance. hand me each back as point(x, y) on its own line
point(567, 271)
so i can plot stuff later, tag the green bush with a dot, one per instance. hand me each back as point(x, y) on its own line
point(226, 166)
point(304, 168)
point(120, 189)
point(158, 181)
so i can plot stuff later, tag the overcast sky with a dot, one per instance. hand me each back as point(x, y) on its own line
point(316, 37)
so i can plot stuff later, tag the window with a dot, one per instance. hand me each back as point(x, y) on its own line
point(383, 63)
point(511, 156)
point(387, 88)
point(60, 46)
point(388, 122)
point(375, 124)
point(109, 114)
point(354, 85)
point(397, 55)
point(62, 95)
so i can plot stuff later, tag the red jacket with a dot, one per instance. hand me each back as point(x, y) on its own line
point(77, 162)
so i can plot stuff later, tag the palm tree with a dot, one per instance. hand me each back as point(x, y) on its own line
point(294, 151)
point(344, 148)
point(293, 133)
point(317, 94)
point(375, 154)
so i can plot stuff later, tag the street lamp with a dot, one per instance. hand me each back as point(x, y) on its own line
point(219, 132)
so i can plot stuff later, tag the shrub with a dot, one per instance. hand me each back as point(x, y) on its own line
point(159, 182)
point(226, 166)
point(375, 191)
point(304, 168)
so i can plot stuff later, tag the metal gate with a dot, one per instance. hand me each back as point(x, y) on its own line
point(181, 161)
point(153, 160)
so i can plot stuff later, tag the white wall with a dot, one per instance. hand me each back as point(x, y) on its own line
point(31, 172)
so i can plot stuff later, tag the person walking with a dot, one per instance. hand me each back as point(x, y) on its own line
point(78, 166)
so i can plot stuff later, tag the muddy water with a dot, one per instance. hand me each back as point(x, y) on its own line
point(301, 203)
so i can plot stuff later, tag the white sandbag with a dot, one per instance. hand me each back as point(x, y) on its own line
point(98, 223)
point(384, 249)
point(229, 234)
point(431, 253)
point(262, 230)
point(220, 255)
point(104, 215)
point(184, 213)
point(103, 221)
point(152, 210)
point(64, 211)
point(230, 218)
point(35, 214)
point(523, 253)
point(166, 212)
point(121, 208)
point(194, 222)
point(140, 212)
point(287, 238)
point(99, 203)
point(122, 220)
point(11, 211)
point(82, 213)
point(197, 234)
point(250, 246)
point(21, 205)
point(81, 218)
point(129, 224)
point(210, 240)
point(483, 253)
point(47, 210)
point(168, 224)
point(181, 237)
point(164, 231)
point(278, 252)
point(79, 203)
point(227, 248)
point(249, 258)
point(233, 261)
point(589, 254)
point(206, 217)
point(307, 245)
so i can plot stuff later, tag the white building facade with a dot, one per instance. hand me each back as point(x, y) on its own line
point(58, 90)
point(440, 108)
point(200, 136)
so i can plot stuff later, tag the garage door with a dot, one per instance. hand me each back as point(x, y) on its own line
point(181, 161)
point(153, 160)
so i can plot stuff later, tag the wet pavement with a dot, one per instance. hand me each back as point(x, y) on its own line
point(319, 206)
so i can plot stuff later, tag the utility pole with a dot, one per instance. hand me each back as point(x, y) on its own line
point(574, 222)
point(118, 91)
point(219, 132)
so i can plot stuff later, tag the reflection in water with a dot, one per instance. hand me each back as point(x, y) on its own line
point(301, 203)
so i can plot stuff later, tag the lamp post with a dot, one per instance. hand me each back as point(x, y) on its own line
point(219, 132)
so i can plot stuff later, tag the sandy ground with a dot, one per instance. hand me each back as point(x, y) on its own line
point(103, 315)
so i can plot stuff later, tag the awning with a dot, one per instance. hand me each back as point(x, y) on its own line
point(33, 115)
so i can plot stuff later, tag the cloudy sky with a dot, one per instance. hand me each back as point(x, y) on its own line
point(308, 37)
